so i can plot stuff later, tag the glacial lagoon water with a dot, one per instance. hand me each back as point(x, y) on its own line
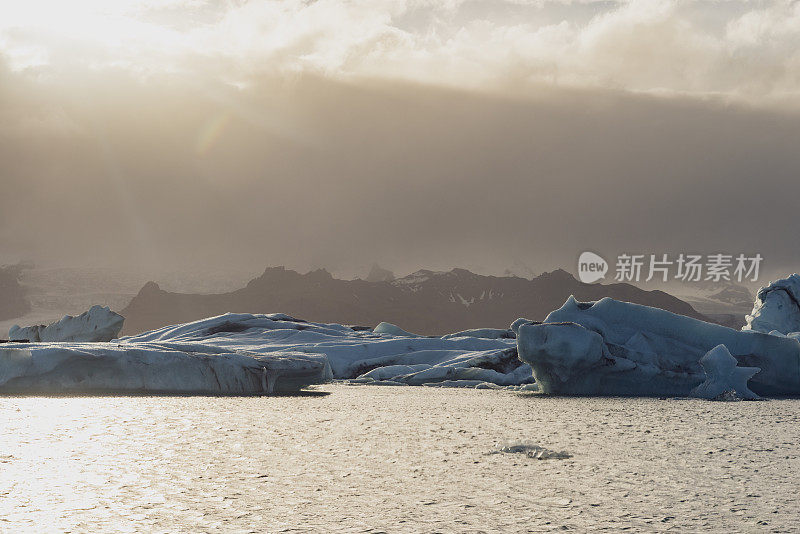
point(397, 459)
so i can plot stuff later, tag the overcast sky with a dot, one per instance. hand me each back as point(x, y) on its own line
point(209, 135)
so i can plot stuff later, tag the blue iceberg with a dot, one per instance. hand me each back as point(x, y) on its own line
point(610, 347)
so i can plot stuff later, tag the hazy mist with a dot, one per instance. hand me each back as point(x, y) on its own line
point(198, 169)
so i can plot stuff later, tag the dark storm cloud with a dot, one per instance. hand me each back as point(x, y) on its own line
point(314, 172)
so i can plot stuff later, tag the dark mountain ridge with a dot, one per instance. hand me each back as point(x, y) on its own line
point(425, 302)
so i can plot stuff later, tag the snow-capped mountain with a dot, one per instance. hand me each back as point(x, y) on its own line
point(723, 302)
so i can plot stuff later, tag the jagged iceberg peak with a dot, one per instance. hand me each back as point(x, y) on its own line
point(777, 307)
point(96, 325)
point(724, 376)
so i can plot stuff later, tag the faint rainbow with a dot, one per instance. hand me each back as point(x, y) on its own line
point(211, 132)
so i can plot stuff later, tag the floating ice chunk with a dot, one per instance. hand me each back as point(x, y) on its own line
point(722, 375)
point(121, 367)
point(777, 307)
point(531, 450)
point(617, 348)
point(97, 324)
point(352, 354)
point(393, 330)
point(374, 358)
point(731, 396)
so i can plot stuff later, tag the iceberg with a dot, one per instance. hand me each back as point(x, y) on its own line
point(777, 307)
point(355, 354)
point(251, 354)
point(214, 356)
point(610, 347)
point(132, 367)
point(531, 450)
point(97, 324)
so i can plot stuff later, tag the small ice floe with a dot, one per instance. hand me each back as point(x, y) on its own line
point(531, 450)
point(729, 396)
